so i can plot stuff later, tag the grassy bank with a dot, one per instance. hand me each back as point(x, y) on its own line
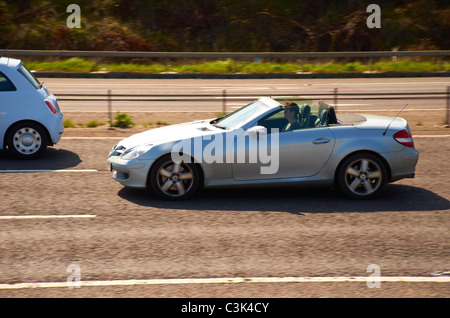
point(229, 66)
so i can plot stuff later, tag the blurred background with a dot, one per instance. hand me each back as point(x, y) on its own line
point(228, 26)
point(225, 25)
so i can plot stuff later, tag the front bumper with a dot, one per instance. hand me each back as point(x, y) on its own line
point(130, 173)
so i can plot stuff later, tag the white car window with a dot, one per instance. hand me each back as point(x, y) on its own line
point(6, 84)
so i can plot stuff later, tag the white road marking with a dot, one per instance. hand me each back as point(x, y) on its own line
point(431, 136)
point(230, 280)
point(339, 104)
point(93, 137)
point(146, 111)
point(20, 217)
point(383, 82)
point(235, 87)
point(389, 110)
point(45, 170)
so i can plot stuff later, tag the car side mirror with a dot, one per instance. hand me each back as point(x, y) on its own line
point(256, 130)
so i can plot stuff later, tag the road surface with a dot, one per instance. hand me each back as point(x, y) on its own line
point(64, 220)
point(321, 88)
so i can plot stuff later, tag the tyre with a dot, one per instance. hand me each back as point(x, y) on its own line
point(171, 180)
point(362, 176)
point(27, 140)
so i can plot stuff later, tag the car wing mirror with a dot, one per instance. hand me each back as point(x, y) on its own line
point(254, 131)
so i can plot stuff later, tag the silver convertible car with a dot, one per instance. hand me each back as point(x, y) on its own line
point(267, 143)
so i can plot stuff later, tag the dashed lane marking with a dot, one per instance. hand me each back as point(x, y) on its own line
point(430, 136)
point(24, 217)
point(45, 170)
point(93, 137)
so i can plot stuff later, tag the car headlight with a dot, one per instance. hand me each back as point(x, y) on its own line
point(135, 152)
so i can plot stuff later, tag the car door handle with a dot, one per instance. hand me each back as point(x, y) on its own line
point(323, 140)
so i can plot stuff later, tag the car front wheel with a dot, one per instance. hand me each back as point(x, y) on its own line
point(172, 180)
point(27, 141)
point(362, 176)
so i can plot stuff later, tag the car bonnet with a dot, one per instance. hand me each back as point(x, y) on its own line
point(170, 133)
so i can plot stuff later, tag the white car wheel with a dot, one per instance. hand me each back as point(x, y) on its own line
point(27, 141)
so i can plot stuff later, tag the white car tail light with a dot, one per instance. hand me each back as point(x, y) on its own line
point(404, 137)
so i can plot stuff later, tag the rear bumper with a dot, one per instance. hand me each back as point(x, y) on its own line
point(399, 177)
point(58, 128)
point(403, 165)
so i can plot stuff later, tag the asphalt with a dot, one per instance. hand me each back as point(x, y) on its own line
point(77, 215)
point(218, 233)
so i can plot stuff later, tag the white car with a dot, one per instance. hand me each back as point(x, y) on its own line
point(30, 118)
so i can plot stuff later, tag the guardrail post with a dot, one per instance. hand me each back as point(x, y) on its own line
point(109, 109)
point(447, 122)
point(166, 64)
point(335, 99)
point(224, 101)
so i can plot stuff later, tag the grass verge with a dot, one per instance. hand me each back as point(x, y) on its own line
point(77, 64)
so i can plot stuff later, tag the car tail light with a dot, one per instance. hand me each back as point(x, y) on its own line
point(50, 106)
point(404, 137)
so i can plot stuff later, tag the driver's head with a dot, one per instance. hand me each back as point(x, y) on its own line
point(291, 110)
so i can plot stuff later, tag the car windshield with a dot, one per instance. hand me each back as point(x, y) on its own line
point(241, 116)
point(29, 76)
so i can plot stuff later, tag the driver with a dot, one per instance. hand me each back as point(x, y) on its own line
point(292, 114)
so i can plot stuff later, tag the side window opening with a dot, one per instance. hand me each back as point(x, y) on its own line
point(5, 84)
point(311, 116)
point(273, 120)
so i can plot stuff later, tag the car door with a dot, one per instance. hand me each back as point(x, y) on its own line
point(300, 153)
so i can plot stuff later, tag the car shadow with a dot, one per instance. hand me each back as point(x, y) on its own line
point(52, 159)
point(394, 197)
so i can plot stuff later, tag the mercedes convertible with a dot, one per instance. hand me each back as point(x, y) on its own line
point(269, 143)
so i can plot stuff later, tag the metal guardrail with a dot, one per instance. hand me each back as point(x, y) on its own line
point(224, 95)
point(166, 55)
point(334, 95)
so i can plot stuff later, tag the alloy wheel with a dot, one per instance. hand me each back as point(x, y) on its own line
point(363, 177)
point(175, 179)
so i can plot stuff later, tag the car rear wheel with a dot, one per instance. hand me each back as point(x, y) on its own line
point(27, 141)
point(172, 180)
point(362, 176)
